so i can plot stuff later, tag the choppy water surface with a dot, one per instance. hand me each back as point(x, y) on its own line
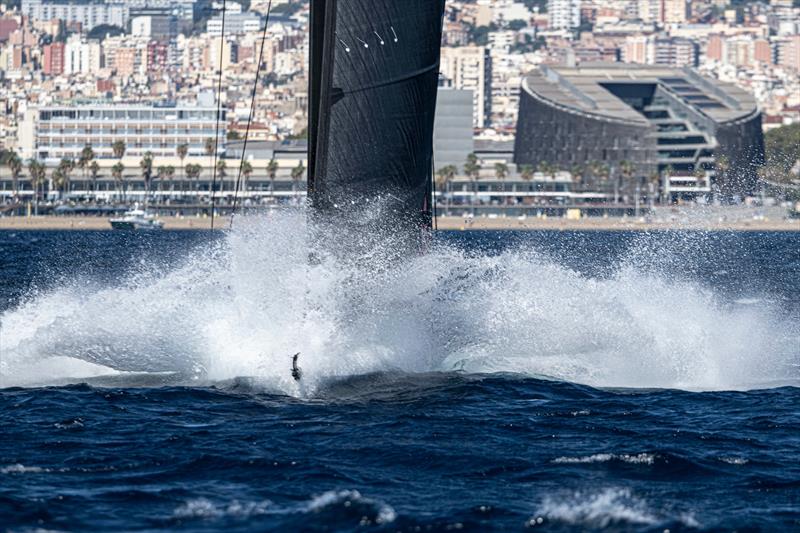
point(499, 381)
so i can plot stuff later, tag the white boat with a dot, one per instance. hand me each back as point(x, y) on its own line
point(137, 219)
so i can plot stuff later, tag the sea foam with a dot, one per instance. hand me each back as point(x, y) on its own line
point(273, 287)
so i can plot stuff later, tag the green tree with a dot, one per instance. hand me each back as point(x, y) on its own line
point(60, 179)
point(161, 175)
point(472, 169)
point(501, 173)
point(444, 176)
point(118, 173)
point(182, 151)
point(169, 174)
point(94, 173)
point(526, 172)
point(193, 173)
point(64, 169)
point(209, 146)
point(247, 171)
point(146, 168)
point(85, 159)
point(222, 173)
point(15, 168)
point(546, 168)
point(272, 172)
point(297, 174)
point(627, 170)
point(37, 173)
point(782, 151)
point(118, 149)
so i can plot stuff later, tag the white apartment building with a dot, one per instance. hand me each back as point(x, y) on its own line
point(674, 11)
point(89, 15)
point(235, 24)
point(563, 14)
point(504, 11)
point(64, 130)
point(470, 68)
point(81, 56)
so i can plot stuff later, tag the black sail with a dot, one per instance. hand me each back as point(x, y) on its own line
point(372, 97)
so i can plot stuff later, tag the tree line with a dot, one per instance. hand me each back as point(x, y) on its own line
point(61, 177)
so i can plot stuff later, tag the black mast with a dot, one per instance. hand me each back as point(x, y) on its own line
point(372, 97)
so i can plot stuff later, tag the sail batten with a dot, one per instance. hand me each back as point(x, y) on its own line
point(374, 78)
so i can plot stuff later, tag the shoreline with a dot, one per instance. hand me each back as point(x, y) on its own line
point(81, 223)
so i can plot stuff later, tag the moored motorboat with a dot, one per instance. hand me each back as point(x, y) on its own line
point(137, 219)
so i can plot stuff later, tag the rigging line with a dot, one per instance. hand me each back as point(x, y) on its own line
point(252, 111)
point(435, 206)
point(219, 113)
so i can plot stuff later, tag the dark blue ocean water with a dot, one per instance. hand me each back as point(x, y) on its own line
point(400, 451)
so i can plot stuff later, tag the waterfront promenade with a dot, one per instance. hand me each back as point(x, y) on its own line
point(676, 222)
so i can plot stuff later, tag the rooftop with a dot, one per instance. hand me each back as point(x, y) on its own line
point(581, 89)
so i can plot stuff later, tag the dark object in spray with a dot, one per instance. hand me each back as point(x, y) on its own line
point(297, 374)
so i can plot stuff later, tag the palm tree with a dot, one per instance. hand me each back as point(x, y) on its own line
point(193, 173)
point(444, 176)
point(297, 174)
point(86, 157)
point(169, 174)
point(472, 169)
point(593, 169)
point(60, 179)
point(501, 173)
point(37, 173)
point(65, 168)
point(118, 148)
point(161, 175)
point(272, 172)
point(222, 173)
point(209, 147)
point(15, 166)
point(544, 167)
point(117, 172)
point(526, 172)
point(247, 171)
point(146, 166)
point(182, 151)
point(627, 169)
point(94, 172)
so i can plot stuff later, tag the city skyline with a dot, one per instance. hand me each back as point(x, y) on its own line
point(162, 53)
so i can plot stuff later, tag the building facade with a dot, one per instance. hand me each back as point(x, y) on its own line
point(470, 68)
point(64, 131)
point(651, 120)
point(563, 14)
point(89, 15)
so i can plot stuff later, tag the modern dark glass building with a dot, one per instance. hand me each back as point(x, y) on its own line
point(660, 119)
